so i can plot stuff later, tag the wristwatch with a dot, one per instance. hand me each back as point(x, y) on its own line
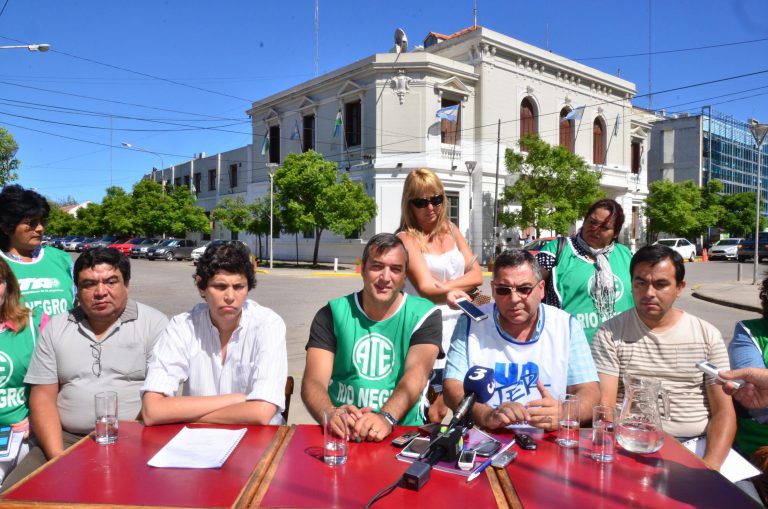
point(390, 419)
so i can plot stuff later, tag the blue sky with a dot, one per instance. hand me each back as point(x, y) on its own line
point(161, 75)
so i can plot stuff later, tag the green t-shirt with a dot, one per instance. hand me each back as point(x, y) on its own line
point(370, 356)
point(15, 354)
point(46, 282)
point(574, 275)
point(750, 434)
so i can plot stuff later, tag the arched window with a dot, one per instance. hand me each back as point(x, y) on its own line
point(598, 142)
point(528, 120)
point(566, 130)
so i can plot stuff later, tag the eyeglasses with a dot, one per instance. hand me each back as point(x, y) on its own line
point(522, 291)
point(32, 224)
point(96, 353)
point(421, 203)
point(594, 223)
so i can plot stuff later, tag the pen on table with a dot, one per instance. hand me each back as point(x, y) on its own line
point(487, 463)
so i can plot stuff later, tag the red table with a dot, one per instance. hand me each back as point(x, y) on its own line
point(118, 474)
point(671, 478)
point(298, 478)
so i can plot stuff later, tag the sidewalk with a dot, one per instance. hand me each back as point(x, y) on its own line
point(741, 295)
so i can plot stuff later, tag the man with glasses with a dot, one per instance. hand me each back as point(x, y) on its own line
point(538, 353)
point(103, 344)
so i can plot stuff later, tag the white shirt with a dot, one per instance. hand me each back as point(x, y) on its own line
point(189, 351)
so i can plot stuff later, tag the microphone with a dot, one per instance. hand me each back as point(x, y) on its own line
point(478, 387)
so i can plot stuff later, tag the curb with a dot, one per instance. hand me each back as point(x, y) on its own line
point(722, 302)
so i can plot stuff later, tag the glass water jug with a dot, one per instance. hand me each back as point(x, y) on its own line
point(640, 427)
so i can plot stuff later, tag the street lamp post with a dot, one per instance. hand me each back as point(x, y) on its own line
point(271, 169)
point(42, 48)
point(142, 149)
point(758, 131)
point(470, 169)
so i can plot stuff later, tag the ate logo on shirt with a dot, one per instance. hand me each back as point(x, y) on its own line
point(373, 356)
point(6, 369)
point(618, 286)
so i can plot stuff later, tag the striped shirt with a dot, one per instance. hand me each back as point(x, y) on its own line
point(189, 351)
point(624, 343)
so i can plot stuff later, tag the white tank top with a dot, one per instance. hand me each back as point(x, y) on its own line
point(443, 267)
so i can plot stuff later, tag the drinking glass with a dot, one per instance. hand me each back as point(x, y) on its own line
point(335, 436)
point(604, 422)
point(568, 422)
point(106, 417)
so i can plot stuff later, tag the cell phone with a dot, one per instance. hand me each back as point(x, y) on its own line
point(504, 459)
point(5, 440)
point(471, 310)
point(467, 459)
point(405, 439)
point(525, 441)
point(487, 448)
point(416, 447)
point(429, 428)
point(712, 370)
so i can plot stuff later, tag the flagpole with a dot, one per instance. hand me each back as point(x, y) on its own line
point(455, 128)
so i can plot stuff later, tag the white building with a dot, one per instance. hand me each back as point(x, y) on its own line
point(505, 88)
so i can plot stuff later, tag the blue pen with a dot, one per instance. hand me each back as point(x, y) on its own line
point(487, 463)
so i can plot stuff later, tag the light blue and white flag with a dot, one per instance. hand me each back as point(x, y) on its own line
point(265, 144)
point(296, 135)
point(337, 125)
point(448, 113)
point(576, 113)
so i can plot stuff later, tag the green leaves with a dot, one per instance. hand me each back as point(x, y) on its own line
point(683, 208)
point(8, 163)
point(552, 186)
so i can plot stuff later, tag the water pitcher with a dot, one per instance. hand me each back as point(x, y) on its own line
point(640, 427)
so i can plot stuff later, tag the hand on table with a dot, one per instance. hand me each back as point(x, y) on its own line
point(372, 427)
point(505, 414)
point(543, 412)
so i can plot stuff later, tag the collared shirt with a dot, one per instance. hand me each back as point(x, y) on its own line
point(189, 352)
point(69, 354)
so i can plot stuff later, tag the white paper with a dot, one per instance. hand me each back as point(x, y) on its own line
point(198, 448)
point(17, 437)
point(735, 468)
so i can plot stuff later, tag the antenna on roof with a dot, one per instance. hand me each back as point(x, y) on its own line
point(401, 41)
point(474, 12)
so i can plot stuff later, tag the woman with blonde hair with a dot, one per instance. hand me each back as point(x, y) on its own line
point(441, 260)
point(19, 328)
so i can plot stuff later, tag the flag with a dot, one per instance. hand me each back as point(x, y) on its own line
point(576, 113)
point(296, 135)
point(448, 113)
point(265, 144)
point(337, 125)
point(616, 125)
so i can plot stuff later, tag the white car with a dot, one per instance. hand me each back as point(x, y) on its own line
point(725, 248)
point(198, 252)
point(682, 246)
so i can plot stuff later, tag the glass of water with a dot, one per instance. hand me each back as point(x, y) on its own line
point(568, 422)
point(335, 436)
point(106, 417)
point(604, 422)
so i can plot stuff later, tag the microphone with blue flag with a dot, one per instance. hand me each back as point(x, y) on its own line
point(479, 386)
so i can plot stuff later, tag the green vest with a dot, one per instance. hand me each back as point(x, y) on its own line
point(46, 282)
point(573, 275)
point(15, 353)
point(750, 434)
point(370, 356)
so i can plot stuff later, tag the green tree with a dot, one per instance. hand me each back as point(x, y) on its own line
point(259, 219)
point(89, 220)
point(312, 199)
point(553, 187)
point(152, 208)
point(117, 215)
point(8, 162)
point(185, 216)
point(738, 217)
point(683, 208)
point(59, 222)
point(233, 214)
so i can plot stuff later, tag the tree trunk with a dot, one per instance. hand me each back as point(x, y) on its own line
point(318, 232)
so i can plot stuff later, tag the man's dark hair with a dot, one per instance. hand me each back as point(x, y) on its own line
point(383, 242)
point(615, 210)
point(98, 255)
point(16, 205)
point(764, 297)
point(655, 254)
point(232, 257)
point(516, 258)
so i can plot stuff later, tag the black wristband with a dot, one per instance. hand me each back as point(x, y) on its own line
point(390, 419)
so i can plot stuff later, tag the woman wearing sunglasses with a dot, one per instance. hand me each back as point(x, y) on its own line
point(440, 259)
point(44, 272)
point(590, 277)
point(19, 328)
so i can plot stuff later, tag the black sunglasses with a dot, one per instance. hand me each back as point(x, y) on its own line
point(522, 291)
point(421, 203)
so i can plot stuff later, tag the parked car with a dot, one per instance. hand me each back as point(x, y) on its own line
point(85, 244)
point(726, 249)
point(72, 243)
point(125, 247)
point(535, 245)
point(140, 250)
point(198, 252)
point(746, 249)
point(61, 241)
point(682, 246)
point(104, 241)
point(172, 249)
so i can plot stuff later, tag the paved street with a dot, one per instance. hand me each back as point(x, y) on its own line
point(296, 294)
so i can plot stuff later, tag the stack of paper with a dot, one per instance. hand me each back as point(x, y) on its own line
point(198, 448)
